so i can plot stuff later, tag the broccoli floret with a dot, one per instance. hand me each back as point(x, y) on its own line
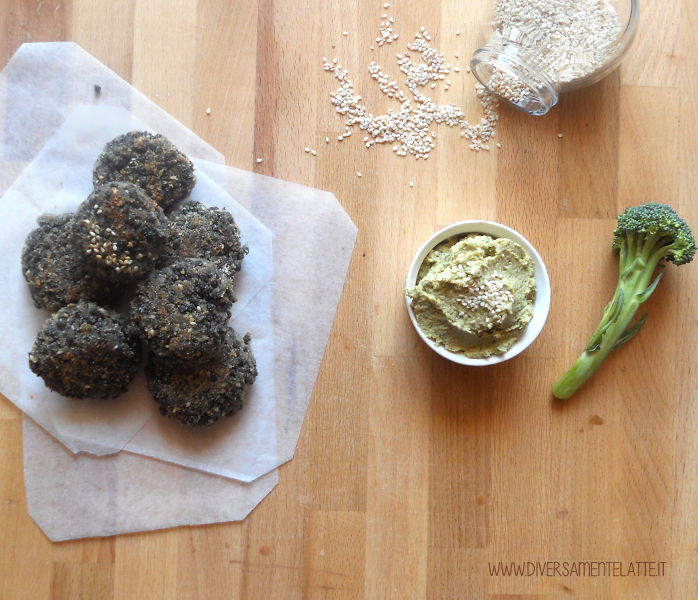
point(645, 235)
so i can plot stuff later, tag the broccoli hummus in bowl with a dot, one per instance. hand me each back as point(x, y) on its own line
point(472, 293)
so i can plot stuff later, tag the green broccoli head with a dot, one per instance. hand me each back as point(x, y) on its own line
point(659, 225)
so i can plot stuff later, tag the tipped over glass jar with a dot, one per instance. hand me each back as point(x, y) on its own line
point(538, 49)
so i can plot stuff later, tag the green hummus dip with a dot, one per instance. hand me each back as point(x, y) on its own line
point(474, 294)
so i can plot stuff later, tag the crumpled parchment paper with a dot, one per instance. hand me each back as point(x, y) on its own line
point(56, 181)
point(78, 495)
point(40, 87)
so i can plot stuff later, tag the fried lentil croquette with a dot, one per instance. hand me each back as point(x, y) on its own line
point(200, 395)
point(121, 232)
point(209, 233)
point(85, 351)
point(55, 274)
point(182, 311)
point(149, 161)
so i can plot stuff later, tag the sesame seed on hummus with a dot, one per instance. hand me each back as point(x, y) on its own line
point(475, 294)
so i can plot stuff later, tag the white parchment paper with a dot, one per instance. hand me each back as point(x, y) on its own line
point(57, 181)
point(75, 495)
point(290, 315)
point(41, 85)
point(313, 243)
point(44, 82)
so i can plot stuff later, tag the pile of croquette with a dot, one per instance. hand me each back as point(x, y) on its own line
point(139, 267)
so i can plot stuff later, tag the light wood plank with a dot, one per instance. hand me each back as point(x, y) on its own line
point(146, 566)
point(334, 558)
point(520, 494)
point(653, 59)
point(461, 425)
point(82, 581)
point(398, 480)
point(334, 477)
point(273, 552)
point(47, 21)
point(93, 550)
point(199, 548)
point(226, 81)
point(25, 568)
point(649, 135)
point(589, 122)
point(684, 537)
point(164, 54)
point(115, 51)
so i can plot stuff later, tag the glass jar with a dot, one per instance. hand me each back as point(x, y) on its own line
point(538, 49)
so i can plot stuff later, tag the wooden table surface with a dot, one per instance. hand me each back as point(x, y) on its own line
point(413, 476)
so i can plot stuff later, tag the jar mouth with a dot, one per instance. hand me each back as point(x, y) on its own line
point(508, 74)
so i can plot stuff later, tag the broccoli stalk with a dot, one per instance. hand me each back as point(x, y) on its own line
point(645, 235)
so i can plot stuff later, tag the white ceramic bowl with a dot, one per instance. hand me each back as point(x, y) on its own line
point(541, 306)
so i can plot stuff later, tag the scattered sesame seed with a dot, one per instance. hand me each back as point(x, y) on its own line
point(499, 146)
point(408, 128)
point(208, 111)
point(411, 184)
point(456, 54)
point(467, 69)
point(313, 152)
point(327, 140)
point(386, 6)
point(457, 31)
point(259, 160)
point(559, 135)
point(307, 150)
point(456, 69)
point(345, 33)
point(358, 174)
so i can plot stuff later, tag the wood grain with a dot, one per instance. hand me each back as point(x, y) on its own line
point(413, 476)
